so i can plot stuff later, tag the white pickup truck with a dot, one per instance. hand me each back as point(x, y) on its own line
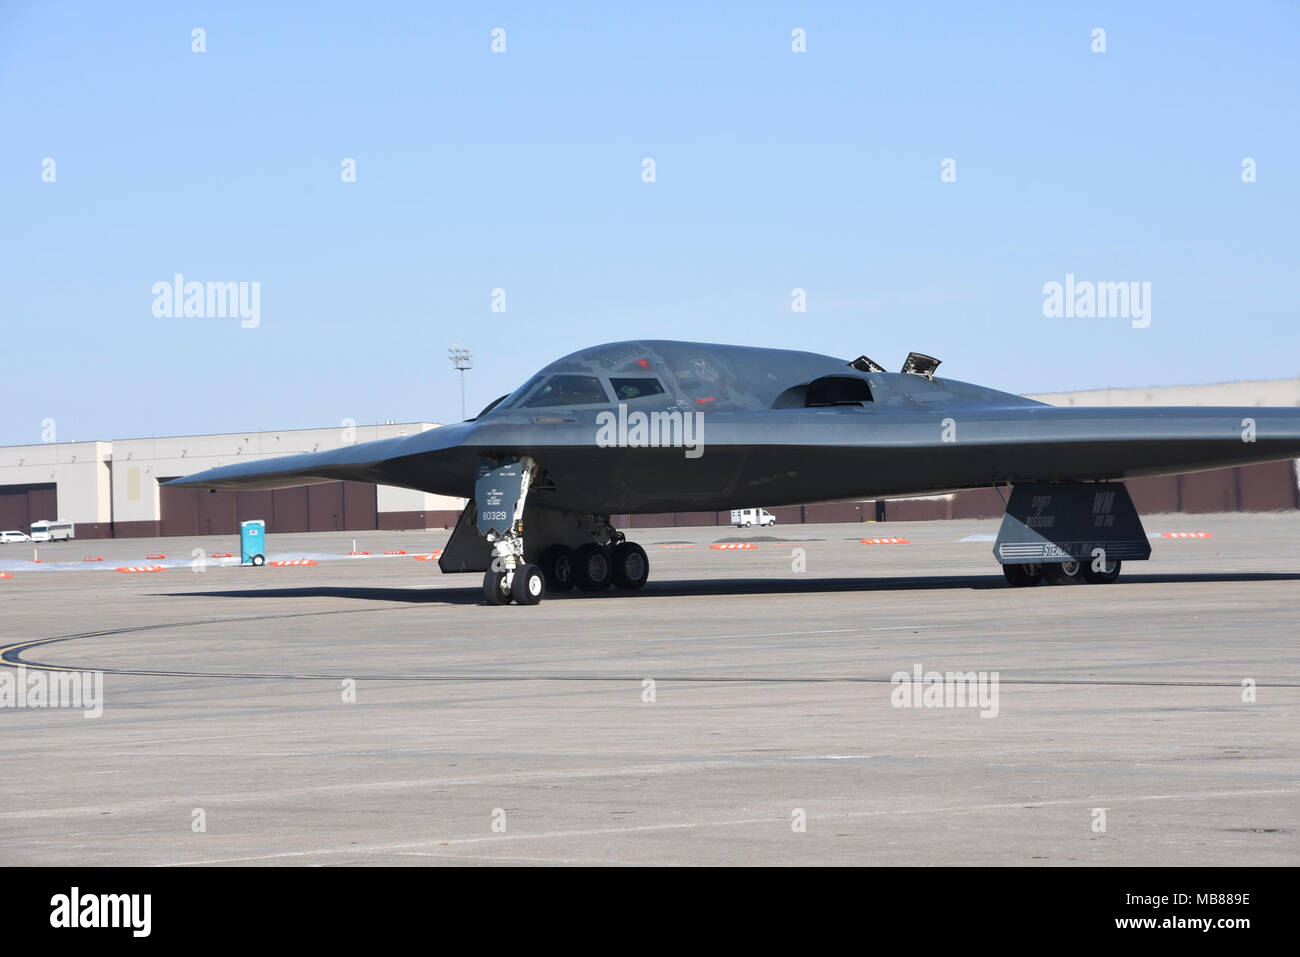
point(745, 517)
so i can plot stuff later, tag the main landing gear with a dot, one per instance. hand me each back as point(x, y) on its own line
point(1069, 533)
point(609, 561)
point(1062, 573)
point(592, 567)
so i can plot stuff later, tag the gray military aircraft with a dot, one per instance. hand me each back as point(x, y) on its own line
point(657, 426)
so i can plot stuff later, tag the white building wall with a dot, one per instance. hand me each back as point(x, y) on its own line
point(1271, 392)
point(79, 470)
point(138, 464)
point(393, 499)
point(99, 482)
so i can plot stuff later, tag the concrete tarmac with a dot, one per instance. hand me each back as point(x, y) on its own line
point(1123, 733)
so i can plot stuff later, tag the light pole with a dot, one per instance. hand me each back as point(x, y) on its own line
point(461, 362)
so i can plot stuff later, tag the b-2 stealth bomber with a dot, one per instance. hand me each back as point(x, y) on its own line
point(659, 426)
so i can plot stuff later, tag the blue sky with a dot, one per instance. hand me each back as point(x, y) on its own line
point(522, 171)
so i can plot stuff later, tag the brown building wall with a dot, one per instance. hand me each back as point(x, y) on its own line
point(918, 510)
point(20, 505)
point(1214, 491)
point(255, 504)
point(1154, 495)
point(137, 529)
point(1270, 487)
point(404, 521)
point(325, 507)
point(360, 506)
point(979, 503)
point(92, 530)
point(214, 514)
point(333, 506)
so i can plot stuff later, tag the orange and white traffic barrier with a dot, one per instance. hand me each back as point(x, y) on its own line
point(5, 575)
point(1186, 535)
point(140, 568)
point(93, 558)
point(430, 557)
point(884, 541)
point(292, 561)
point(357, 554)
point(729, 546)
point(156, 557)
point(676, 546)
point(221, 555)
point(395, 551)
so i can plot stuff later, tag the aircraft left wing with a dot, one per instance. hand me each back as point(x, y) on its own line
point(394, 461)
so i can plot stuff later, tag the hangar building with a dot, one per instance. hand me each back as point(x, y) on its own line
point(113, 490)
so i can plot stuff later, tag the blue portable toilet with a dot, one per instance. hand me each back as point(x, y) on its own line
point(252, 542)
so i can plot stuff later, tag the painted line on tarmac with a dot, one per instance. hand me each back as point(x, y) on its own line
point(11, 655)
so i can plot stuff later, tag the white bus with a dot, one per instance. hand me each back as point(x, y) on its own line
point(47, 531)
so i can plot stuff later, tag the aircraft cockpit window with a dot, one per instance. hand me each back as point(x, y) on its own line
point(567, 390)
point(638, 388)
point(514, 398)
point(489, 407)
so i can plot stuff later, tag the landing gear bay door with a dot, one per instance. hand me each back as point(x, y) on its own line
point(495, 513)
point(499, 493)
point(466, 550)
point(1069, 522)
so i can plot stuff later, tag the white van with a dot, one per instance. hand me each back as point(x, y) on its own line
point(47, 531)
point(745, 517)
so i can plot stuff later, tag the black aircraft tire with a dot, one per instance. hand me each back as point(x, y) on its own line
point(528, 585)
point(1022, 576)
point(557, 566)
point(593, 569)
point(1103, 577)
point(631, 566)
point(1064, 573)
point(493, 593)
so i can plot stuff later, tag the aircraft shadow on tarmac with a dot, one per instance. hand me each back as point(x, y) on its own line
point(721, 586)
